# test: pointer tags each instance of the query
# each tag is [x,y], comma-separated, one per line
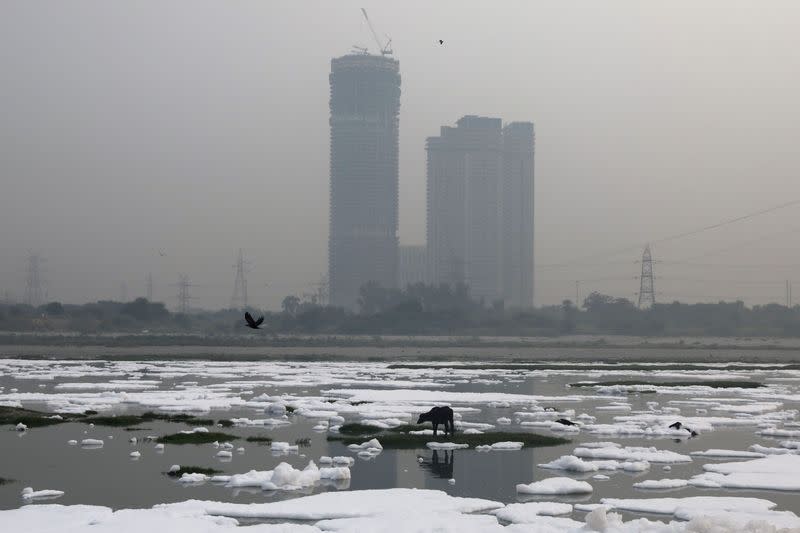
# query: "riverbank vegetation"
[420,310]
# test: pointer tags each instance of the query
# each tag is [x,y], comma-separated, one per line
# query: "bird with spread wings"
[251,322]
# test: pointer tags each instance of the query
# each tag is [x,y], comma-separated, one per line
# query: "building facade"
[517,213]
[480,208]
[413,265]
[364,127]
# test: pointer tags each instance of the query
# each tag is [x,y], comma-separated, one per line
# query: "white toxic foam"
[446,446]
[633,453]
[526,513]
[29,494]
[656,484]
[555,485]
[284,477]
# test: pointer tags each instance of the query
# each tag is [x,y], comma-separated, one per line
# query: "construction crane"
[386,49]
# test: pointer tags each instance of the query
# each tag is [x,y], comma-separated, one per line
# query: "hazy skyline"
[200,127]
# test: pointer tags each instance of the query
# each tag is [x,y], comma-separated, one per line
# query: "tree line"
[419,309]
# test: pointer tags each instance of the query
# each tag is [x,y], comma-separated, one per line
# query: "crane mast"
[385,49]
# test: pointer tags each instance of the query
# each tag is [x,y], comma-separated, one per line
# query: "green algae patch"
[31,418]
[259,439]
[149,416]
[197,437]
[193,470]
[715,384]
[358,429]
[393,440]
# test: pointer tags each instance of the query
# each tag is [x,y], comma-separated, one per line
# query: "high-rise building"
[363,241]
[517,214]
[480,208]
[413,265]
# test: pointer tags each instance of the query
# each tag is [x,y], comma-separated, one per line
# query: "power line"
[586,280]
[740,244]
[677,236]
[731,265]
[729,221]
[765,283]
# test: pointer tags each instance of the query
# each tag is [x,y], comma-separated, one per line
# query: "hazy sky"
[200,127]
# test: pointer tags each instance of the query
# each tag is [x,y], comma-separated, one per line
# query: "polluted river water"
[744,418]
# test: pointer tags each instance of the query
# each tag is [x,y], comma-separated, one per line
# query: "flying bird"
[253,324]
[161,253]
[441,41]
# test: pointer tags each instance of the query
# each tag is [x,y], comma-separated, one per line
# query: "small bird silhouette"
[161,253]
[441,41]
[253,324]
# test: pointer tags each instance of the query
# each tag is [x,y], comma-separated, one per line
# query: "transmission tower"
[322,290]
[149,286]
[647,294]
[239,298]
[33,283]
[183,293]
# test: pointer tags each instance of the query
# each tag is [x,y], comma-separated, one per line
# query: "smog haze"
[163,137]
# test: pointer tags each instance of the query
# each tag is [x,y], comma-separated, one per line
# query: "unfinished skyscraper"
[480,208]
[364,103]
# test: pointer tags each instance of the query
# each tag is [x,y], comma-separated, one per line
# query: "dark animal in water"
[566,422]
[678,425]
[436,416]
[251,323]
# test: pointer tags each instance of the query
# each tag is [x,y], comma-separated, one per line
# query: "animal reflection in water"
[441,467]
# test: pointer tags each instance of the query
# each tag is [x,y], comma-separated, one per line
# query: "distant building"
[413,265]
[517,213]
[364,122]
[480,208]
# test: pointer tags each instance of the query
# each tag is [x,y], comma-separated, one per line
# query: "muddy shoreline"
[695,354]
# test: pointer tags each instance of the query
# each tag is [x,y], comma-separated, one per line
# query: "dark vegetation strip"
[364,429]
[358,429]
[716,384]
[149,416]
[32,419]
[595,366]
[406,441]
[466,340]
[193,470]
[198,437]
[259,439]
